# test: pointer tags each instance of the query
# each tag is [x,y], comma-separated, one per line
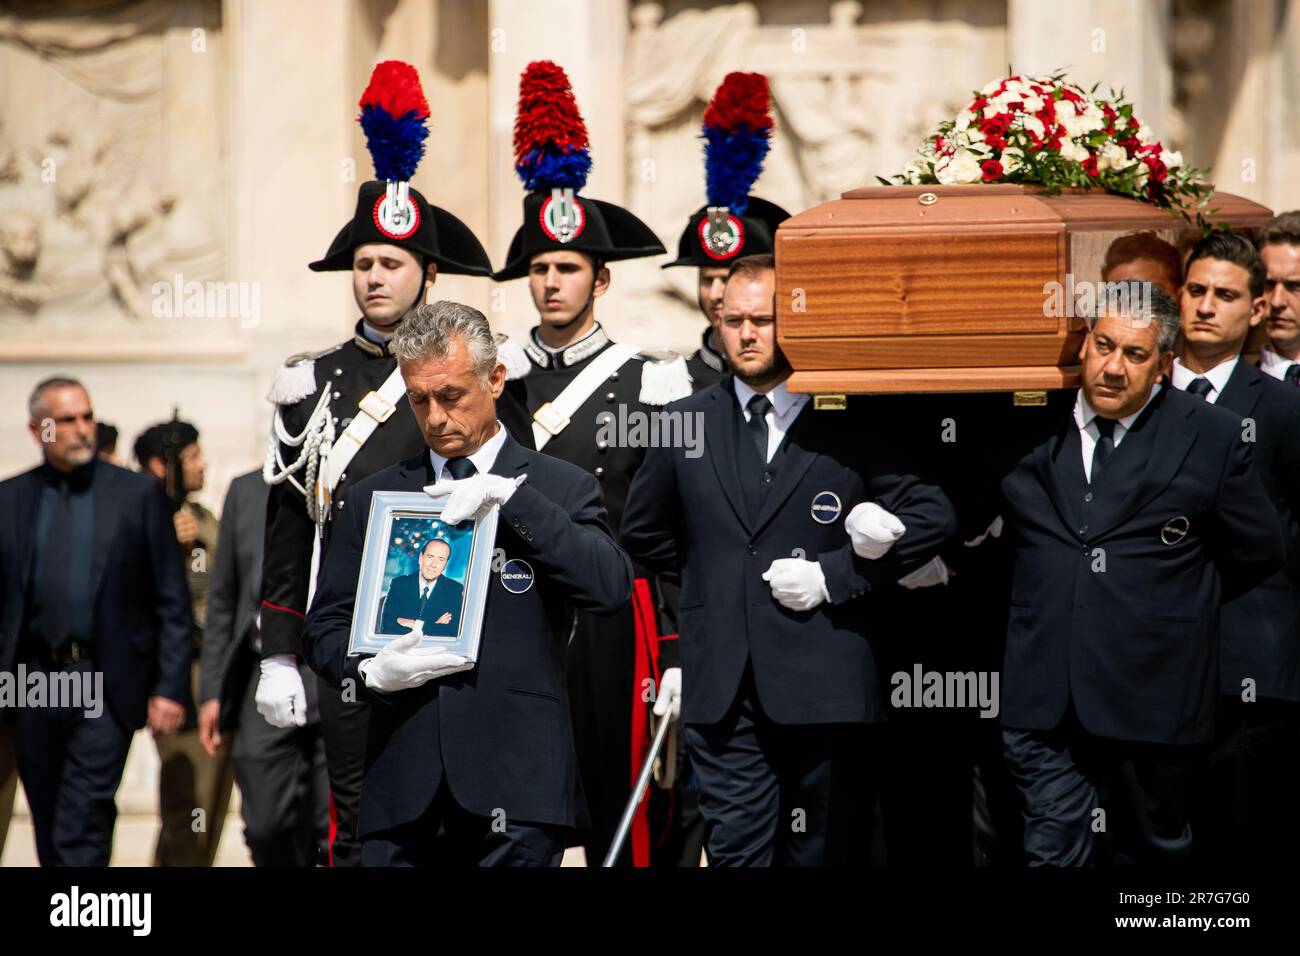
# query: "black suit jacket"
[499,734]
[809,667]
[1104,613]
[229,642]
[403,600]
[143,623]
[1261,629]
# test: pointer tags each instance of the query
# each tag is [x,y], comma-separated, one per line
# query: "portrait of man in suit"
[427,595]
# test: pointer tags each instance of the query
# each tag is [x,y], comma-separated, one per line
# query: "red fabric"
[646,667]
[276,607]
[334,831]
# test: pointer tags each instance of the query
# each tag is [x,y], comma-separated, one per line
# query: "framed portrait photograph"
[418,570]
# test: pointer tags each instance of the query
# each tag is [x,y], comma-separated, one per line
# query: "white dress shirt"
[1088,433]
[785,409]
[483,459]
[1217,377]
[1270,363]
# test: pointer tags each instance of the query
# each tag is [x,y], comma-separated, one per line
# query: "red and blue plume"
[393,115]
[551,146]
[737,135]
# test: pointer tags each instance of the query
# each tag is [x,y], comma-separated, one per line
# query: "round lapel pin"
[516,576]
[1175,530]
[826,507]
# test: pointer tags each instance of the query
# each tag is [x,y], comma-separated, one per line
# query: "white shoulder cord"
[316,438]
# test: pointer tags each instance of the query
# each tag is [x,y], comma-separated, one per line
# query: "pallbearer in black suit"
[339,413]
[1247,800]
[1128,527]
[483,751]
[737,132]
[583,392]
[93,607]
[427,596]
[779,677]
[1279,248]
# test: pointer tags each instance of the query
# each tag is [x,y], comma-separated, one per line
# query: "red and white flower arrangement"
[1047,132]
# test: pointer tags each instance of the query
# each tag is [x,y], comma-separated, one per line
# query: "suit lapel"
[1064,450]
[106,518]
[1243,389]
[721,435]
[1172,440]
[795,460]
[29,501]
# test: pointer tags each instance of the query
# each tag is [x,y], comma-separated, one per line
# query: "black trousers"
[343,726]
[449,836]
[70,765]
[1247,807]
[1090,800]
[283,787]
[782,795]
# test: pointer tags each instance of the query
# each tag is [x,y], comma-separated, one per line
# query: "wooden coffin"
[945,288]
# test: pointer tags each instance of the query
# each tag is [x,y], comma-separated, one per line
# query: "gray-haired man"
[1128,526]
[483,751]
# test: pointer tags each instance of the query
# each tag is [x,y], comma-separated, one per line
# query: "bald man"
[427,595]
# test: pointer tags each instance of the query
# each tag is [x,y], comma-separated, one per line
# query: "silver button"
[602,444]
[609,396]
[337,394]
[600,472]
[613,376]
[340,505]
[338,372]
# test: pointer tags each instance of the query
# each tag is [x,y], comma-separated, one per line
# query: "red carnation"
[992,169]
[1090,166]
[938,142]
[996,125]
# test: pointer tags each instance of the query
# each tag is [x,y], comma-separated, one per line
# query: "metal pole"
[625,824]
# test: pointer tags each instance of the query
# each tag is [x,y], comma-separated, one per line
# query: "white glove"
[935,571]
[994,531]
[873,530]
[473,497]
[670,694]
[796,583]
[281,697]
[401,665]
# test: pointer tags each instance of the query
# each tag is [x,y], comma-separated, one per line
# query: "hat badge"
[721,233]
[562,216]
[395,215]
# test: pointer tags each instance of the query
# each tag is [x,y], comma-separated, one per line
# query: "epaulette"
[512,355]
[664,378]
[297,379]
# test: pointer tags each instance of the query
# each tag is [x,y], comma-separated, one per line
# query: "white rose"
[1111,157]
[964,119]
[1034,125]
[1073,151]
[1145,136]
[961,167]
[1033,103]
[1171,159]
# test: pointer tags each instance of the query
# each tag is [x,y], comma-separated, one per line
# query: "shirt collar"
[709,355]
[483,459]
[1270,361]
[76,479]
[1217,376]
[546,357]
[370,341]
[1084,413]
[782,399]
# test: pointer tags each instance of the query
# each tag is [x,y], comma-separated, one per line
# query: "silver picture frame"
[399,531]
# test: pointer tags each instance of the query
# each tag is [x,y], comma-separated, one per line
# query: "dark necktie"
[461,468]
[1200,386]
[56,559]
[758,407]
[1105,446]
[1292,376]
